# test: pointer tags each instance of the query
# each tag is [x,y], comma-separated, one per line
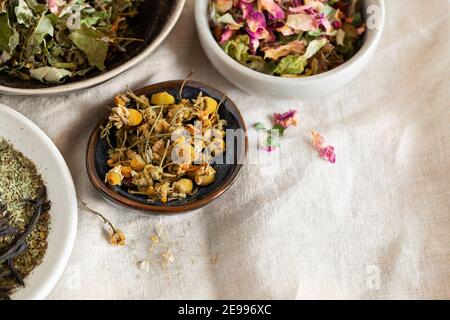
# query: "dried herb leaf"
[23,13]
[50,74]
[93,43]
[9,38]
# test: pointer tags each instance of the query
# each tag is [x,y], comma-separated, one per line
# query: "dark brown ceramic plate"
[226,173]
[154,22]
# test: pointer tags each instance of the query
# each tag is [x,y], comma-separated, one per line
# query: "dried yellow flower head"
[117,238]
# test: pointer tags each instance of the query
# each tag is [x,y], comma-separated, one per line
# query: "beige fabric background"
[374,225]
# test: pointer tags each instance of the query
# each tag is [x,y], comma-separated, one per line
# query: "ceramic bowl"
[226,173]
[27,138]
[296,88]
[153,24]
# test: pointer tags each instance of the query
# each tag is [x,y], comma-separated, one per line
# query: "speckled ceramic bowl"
[226,173]
[154,22]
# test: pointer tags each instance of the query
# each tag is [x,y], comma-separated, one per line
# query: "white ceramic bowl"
[27,138]
[298,88]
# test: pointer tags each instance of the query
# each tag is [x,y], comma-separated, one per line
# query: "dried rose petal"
[325,152]
[317,140]
[227,34]
[223,5]
[274,10]
[285,30]
[286,119]
[302,22]
[254,45]
[269,149]
[53,6]
[294,47]
[247,8]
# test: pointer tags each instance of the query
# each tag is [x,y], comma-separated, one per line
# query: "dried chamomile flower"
[114,176]
[117,238]
[164,146]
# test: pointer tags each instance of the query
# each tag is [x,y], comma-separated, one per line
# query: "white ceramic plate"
[27,138]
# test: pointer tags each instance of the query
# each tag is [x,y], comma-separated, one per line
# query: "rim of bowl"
[69,238]
[103,77]
[110,194]
[202,21]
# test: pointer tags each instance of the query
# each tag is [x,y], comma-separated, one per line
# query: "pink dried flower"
[246,7]
[336,24]
[274,10]
[269,148]
[254,45]
[256,25]
[317,140]
[53,6]
[256,21]
[325,152]
[286,119]
[227,34]
[328,154]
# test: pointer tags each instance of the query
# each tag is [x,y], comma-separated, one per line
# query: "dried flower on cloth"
[286,119]
[116,236]
[270,139]
[325,152]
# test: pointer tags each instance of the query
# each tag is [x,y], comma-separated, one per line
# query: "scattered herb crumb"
[144,265]
[155,240]
[167,257]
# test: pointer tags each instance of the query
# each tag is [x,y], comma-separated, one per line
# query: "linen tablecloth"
[374,225]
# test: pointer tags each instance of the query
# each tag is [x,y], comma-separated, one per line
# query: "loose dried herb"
[271,137]
[55,40]
[164,148]
[24,218]
[288,38]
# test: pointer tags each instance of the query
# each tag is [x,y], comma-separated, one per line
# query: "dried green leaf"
[260,125]
[23,13]
[9,37]
[278,128]
[93,43]
[50,74]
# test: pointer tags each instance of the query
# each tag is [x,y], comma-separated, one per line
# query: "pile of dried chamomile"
[163,148]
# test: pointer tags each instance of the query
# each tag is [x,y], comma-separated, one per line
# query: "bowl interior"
[148,24]
[226,170]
